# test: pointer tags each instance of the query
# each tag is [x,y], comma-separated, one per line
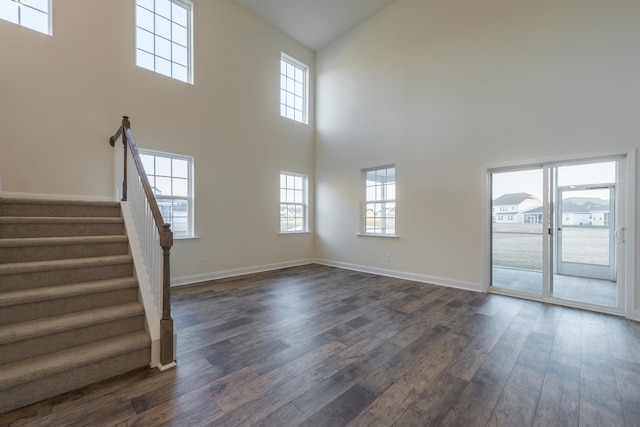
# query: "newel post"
[125,142]
[166,323]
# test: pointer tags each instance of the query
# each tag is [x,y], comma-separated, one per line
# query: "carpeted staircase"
[69,310]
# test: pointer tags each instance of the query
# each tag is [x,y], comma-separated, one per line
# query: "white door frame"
[626,223]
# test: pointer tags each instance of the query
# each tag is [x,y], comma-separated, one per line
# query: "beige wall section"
[441,88]
[62,96]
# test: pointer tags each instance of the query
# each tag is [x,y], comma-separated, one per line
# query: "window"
[293,203]
[380,200]
[163,37]
[171,179]
[33,14]
[293,89]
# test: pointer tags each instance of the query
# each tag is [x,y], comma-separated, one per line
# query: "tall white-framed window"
[171,179]
[164,37]
[32,14]
[294,205]
[379,205]
[294,89]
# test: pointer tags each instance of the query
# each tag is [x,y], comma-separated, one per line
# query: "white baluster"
[147,231]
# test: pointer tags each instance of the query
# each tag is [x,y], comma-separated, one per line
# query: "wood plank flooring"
[320,346]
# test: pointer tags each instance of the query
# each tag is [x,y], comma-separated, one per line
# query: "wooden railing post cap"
[166,237]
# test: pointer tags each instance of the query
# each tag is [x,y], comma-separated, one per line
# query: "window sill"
[186,239]
[384,236]
[294,233]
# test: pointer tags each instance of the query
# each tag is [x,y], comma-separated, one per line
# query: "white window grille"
[171,179]
[32,14]
[164,37]
[293,203]
[379,200]
[294,76]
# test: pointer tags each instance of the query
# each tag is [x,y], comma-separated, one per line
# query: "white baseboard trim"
[49,196]
[440,281]
[635,316]
[166,367]
[214,275]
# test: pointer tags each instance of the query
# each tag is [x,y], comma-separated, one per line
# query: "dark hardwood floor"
[319,346]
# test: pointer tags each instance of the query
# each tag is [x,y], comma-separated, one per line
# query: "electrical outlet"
[387,258]
[203,261]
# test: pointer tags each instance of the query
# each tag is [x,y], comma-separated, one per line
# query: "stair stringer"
[152,315]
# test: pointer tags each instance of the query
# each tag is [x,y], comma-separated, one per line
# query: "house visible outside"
[517,208]
[585,211]
[524,208]
[517,230]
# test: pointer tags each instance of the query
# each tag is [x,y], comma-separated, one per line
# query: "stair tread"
[57,202]
[61,264]
[60,220]
[56,324]
[37,367]
[50,241]
[27,296]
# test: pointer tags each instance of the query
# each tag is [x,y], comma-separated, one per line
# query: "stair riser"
[20,230]
[41,210]
[35,391]
[58,307]
[13,352]
[46,253]
[40,279]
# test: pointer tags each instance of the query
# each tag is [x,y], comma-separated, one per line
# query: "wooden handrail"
[129,142]
[114,138]
[164,232]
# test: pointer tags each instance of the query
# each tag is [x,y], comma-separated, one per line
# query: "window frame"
[384,201]
[20,4]
[188,64]
[304,204]
[285,93]
[190,234]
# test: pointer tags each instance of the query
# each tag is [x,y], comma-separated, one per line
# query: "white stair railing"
[154,239]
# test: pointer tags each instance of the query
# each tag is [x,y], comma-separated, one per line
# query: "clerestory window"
[294,99]
[32,14]
[164,37]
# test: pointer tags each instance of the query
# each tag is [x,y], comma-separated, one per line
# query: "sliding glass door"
[555,234]
[517,230]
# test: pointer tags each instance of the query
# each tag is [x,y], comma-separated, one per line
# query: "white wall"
[441,88]
[437,87]
[61,97]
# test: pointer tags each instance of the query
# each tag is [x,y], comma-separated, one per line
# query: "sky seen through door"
[530,181]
